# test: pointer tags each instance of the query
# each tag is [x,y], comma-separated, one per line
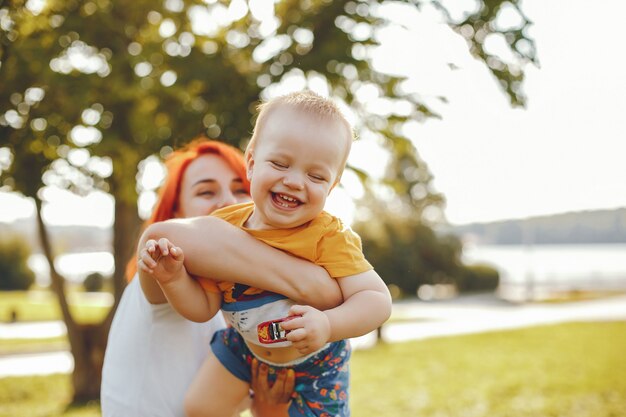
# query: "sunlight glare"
[64,208]
[14,206]
[261,9]
[85,135]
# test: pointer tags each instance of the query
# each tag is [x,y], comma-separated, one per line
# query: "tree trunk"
[125,234]
[379,335]
[87,342]
[88,359]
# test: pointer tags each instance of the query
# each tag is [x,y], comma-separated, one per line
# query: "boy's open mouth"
[285,201]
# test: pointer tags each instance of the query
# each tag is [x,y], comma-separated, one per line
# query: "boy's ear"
[336,183]
[249,164]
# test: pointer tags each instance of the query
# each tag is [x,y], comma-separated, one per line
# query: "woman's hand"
[309,332]
[271,401]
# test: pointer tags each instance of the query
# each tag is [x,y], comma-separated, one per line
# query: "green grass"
[10,346]
[573,370]
[579,295]
[566,370]
[43,305]
[41,396]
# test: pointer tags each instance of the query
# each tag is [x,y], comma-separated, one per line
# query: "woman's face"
[209,183]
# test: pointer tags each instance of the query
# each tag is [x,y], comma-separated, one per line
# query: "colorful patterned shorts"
[322,380]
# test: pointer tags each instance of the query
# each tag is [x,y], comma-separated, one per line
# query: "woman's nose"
[227,199]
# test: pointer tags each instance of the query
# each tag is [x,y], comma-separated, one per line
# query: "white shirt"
[152,355]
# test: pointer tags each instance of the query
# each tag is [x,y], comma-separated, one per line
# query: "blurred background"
[487,183]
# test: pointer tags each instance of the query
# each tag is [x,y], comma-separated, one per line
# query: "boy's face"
[293,167]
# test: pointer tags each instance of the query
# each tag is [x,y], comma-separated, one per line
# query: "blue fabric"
[262,299]
[322,381]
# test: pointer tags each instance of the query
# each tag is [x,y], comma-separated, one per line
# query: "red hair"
[177,164]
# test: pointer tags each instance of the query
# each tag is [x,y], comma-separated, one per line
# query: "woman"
[153,353]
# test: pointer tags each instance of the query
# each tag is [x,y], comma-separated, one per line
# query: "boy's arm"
[162,263]
[214,248]
[189,299]
[366,307]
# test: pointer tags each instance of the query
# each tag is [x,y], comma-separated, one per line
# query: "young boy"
[296,157]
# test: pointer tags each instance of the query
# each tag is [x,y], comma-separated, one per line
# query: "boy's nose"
[294,180]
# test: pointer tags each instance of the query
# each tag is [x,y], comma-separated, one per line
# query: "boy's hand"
[161,260]
[308,333]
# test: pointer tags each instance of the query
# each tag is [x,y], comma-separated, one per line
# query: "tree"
[92,84]
[14,271]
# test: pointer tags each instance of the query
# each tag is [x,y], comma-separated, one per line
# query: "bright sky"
[564,152]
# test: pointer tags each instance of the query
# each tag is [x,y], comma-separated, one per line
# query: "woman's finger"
[284,385]
[290,383]
[278,389]
[255,375]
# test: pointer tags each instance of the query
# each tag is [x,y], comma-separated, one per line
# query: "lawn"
[42,305]
[12,346]
[570,370]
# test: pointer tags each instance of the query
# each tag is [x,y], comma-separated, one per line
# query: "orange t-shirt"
[325,241]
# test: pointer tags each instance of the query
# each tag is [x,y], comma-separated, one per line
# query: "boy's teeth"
[284,197]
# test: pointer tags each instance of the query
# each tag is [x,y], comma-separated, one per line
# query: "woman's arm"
[216,249]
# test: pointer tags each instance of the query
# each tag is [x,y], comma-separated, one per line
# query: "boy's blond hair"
[309,103]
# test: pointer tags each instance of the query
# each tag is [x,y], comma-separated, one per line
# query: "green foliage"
[14,271]
[407,253]
[479,277]
[118,81]
[142,87]
[93,282]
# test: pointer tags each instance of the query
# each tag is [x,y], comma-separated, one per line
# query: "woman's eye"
[206,193]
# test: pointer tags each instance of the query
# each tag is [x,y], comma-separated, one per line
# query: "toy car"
[272,332]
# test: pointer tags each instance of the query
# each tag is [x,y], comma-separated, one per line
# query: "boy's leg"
[322,384]
[214,392]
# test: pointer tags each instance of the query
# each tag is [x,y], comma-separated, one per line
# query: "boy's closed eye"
[279,164]
[318,178]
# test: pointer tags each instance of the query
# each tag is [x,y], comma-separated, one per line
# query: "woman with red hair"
[153,353]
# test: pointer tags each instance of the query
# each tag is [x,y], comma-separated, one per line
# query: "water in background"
[522,267]
[73,266]
[535,270]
